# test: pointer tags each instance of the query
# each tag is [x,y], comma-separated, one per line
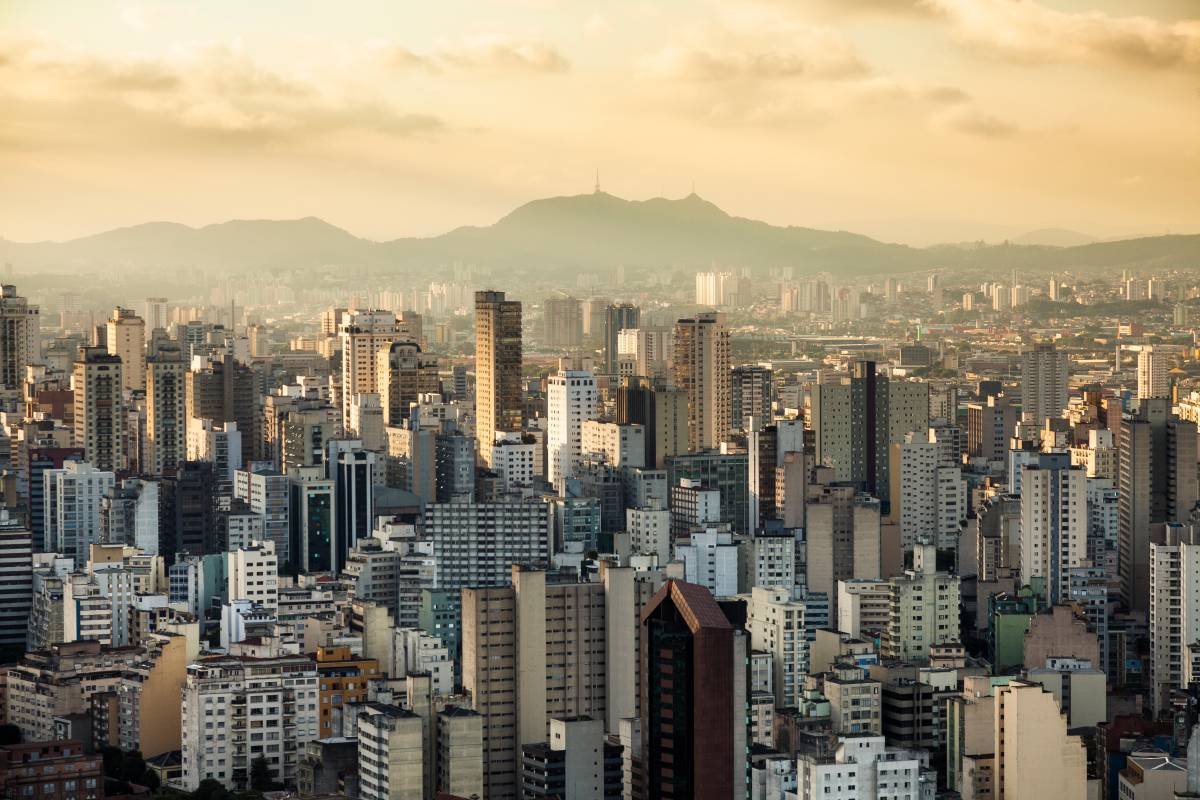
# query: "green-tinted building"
[1008,619]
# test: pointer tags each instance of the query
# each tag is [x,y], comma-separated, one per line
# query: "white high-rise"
[72,508]
[1054,523]
[1174,610]
[571,399]
[1152,380]
[776,625]
[933,497]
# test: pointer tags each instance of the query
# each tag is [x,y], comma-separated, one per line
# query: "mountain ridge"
[584,232]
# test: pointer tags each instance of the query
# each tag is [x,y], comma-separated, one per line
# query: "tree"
[260,775]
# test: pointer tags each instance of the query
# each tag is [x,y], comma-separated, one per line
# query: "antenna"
[597,189]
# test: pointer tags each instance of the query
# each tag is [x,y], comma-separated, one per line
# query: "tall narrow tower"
[497,369]
[702,371]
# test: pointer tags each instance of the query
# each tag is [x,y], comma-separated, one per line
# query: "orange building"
[343,681]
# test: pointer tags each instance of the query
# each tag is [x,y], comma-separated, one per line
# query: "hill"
[581,232]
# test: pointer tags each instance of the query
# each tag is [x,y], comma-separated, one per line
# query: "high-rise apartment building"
[126,339]
[538,650]
[702,370]
[990,424]
[403,373]
[364,334]
[225,390]
[931,498]
[498,358]
[562,319]
[1152,378]
[72,508]
[228,699]
[752,394]
[1044,371]
[923,609]
[99,411]
[1054,523]
[1157,483]
[1174,610]
[391,753]
[571,399]
[166,409]
[19,342]
[775,623]
[16,579]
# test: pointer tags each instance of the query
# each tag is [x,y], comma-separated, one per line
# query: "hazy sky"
[904,118]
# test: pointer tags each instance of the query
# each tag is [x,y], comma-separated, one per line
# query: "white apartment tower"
[238,709]
[1152,380]
[1054,523]
[571,399]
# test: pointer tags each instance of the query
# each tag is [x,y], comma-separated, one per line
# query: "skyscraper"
[99,414]
[752,394]
[571,399]
[18,341]
[1157,482]
[126,338]
[693,696]
[662,410]
[701,368]
[166,408]
[617,317]
[363,334]
[562,319]
[1152,380]
[1044,371]
[402,373]
[498,407]
[224,391]
[1054,523]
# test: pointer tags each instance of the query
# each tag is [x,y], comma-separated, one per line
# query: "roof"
[695,604]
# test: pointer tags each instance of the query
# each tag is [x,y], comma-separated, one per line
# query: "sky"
[911,120]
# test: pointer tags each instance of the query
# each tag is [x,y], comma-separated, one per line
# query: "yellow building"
[343,681]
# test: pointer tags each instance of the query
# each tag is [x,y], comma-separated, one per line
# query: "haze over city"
[548,400]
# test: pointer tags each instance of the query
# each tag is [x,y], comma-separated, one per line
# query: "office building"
[692,669]
[498,358]
[662,411]
[617,317]
[702,370]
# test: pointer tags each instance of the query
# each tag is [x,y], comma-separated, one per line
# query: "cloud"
[722,54]
[970,120]
[211,94]
[1028,31]
[480,54]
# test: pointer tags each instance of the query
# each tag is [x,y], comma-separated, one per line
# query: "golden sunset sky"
[912,120]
